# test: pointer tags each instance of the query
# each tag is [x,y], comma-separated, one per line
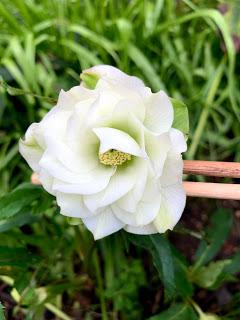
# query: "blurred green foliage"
[54,270]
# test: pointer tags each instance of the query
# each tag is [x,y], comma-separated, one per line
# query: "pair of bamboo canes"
[205,189]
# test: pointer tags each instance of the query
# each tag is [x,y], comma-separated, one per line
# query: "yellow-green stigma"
[114,157]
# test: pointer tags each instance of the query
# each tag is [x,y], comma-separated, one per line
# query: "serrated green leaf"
[181,118]
[176,312]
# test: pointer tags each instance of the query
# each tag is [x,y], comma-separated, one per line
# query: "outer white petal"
[111,138]
[72,205]
[148,229]
[157,148]
[53,124]
[46,181]
[173,203]
[120,183]
[116,76]
[30,149]
[178,141]
[172,170]
[159,113]
[103,224]
[147,208]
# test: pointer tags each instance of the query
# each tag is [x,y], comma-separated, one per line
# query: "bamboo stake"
[212,168]
[205,189]
[212,190]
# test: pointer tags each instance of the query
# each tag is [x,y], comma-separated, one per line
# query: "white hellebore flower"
[110,155]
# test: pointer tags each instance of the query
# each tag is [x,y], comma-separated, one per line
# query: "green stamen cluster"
[114,157]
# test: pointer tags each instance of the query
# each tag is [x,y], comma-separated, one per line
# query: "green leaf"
[183,285]
[206,277]
[181,119]
[161,252]
[234,266]
[2,317]
[162,256]
[145,66]
[16,256]
[176,312]
[21,218]
[217,234]
[19,198]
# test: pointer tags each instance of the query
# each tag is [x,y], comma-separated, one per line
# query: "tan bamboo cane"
[205,189]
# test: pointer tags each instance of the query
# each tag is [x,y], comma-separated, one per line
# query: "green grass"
[184,47]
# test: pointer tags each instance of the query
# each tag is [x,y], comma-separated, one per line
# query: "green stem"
[100,286]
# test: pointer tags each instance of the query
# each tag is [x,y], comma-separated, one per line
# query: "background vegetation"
[52,269]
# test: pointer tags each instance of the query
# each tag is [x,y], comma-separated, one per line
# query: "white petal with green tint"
[120,183]
[111,138]
[173,203]
[103,224]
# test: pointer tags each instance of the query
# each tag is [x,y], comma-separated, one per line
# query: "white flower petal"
[159,113]
[172,170]
[120,183]
[103,224]
[116,77]
[157,148]
[130,201]
[178,141]
[147,208]
[111,138]
[173,203]
[144,230]
[67,181]
[30,149]
[77,160]
[46,181]
[72,205]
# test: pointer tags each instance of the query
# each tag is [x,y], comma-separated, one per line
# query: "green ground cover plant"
[50,266]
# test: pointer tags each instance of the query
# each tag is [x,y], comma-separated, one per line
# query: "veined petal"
[120,183]
[72,205]
[159,113]
[103,224]
[172,206]
[111,138]
[172,170]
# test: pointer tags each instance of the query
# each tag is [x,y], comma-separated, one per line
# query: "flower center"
[114,157]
